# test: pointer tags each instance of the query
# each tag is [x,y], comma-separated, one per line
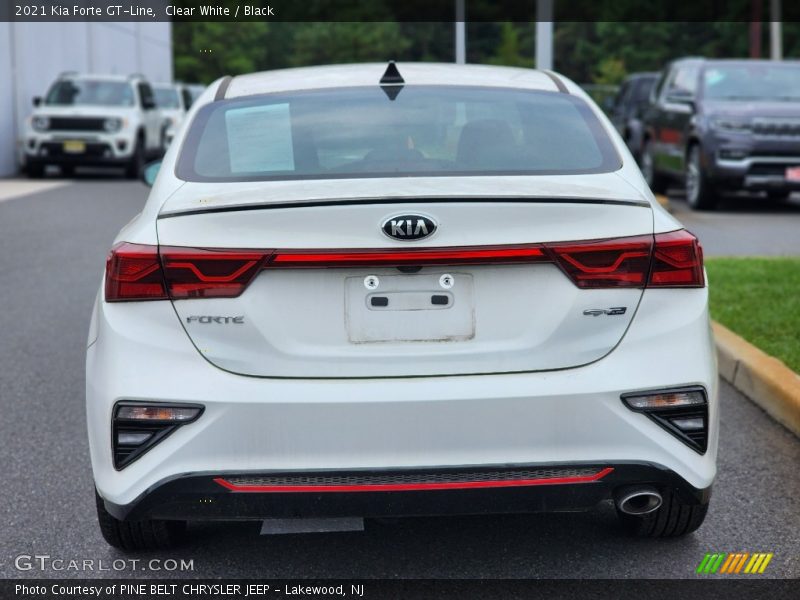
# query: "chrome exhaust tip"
[640,500]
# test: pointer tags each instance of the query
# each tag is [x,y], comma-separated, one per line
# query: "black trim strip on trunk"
[399,200]
[223,88]
[557,80]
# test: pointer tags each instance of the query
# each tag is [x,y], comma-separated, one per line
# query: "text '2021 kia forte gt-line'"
[364,291]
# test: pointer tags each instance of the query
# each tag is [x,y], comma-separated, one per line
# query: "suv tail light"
[138,272]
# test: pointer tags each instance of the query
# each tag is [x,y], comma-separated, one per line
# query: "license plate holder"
[410,308]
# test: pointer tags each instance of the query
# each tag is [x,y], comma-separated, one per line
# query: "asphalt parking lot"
[52,248]
[743,226]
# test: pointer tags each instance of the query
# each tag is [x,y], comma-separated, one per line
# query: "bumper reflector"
[407,482]
[666,400]
[681,412]
[690,424]
[132,438]
[137,426]
[157,413]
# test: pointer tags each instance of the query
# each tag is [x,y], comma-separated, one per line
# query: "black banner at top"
[398,10]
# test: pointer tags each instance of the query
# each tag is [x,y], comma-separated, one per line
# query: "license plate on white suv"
[430,307]
[74,147]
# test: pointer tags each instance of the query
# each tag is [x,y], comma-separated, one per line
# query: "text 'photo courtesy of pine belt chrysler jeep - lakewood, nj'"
[376,290]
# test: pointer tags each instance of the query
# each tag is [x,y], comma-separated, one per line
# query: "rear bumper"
[429,492]
[259,425]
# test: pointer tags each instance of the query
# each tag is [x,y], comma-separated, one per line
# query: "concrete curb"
[664,201]
[762,378]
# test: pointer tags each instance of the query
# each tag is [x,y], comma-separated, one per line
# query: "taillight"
[677,261]
[620,262]
[420,256]
[200,273]
[139,272]
[133,272]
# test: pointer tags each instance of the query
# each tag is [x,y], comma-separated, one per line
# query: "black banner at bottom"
[254,589]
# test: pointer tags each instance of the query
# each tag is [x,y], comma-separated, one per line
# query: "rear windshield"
[90,92]
[423,131]
[752,81]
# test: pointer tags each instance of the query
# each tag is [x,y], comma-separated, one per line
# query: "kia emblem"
[408,228]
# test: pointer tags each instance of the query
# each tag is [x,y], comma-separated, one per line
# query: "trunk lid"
[385,321]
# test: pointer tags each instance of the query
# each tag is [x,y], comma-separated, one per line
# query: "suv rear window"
[425,131]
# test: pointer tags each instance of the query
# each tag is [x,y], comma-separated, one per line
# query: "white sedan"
[417,289]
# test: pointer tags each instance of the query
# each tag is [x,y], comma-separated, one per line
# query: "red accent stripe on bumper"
[410,487]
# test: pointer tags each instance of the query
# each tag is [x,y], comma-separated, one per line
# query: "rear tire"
[778,196]
[134,536]
[657,182]
[700,192]
[34,170]
[672,519]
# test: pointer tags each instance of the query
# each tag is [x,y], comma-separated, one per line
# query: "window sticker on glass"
[260,138]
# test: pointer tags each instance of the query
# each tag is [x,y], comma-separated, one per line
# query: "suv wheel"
[781,196]
[654,180]
[164,144]
[136,164]
[700,194]
[133,536]
[672,519]
[34,169]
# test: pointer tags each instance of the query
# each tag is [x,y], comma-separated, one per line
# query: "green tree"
[331,43]
[610,71]
[205,51]
[510,51]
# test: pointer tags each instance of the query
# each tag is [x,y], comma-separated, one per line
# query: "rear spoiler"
[398,200]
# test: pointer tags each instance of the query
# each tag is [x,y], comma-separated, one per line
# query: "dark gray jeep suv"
[628,108]
[724,125]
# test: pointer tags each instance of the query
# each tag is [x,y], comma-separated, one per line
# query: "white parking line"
[14,188]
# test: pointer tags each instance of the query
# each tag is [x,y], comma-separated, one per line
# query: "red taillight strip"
[143,272]
[140,274]
[411,487]
[450,256]
[605,269]
[202,277]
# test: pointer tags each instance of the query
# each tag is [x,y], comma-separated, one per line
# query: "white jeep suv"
[174,100]
[361,291]
[94,120]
